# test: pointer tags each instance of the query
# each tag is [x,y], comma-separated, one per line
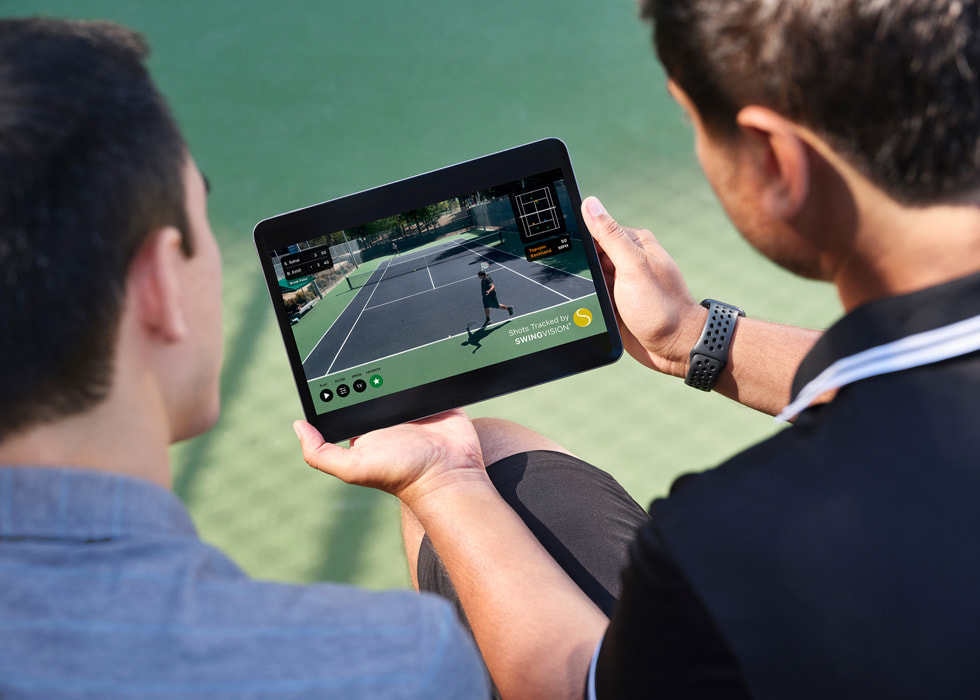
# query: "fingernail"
[296,430]
[594,207]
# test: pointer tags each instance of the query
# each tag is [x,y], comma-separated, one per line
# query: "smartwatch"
[710,354]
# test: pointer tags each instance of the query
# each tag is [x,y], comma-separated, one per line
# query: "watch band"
[710,354]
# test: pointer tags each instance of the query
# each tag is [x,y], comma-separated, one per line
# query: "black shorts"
[581,515]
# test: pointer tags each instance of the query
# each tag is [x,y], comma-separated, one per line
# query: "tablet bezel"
[472,386]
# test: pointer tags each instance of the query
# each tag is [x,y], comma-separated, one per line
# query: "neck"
[107,438]
[897,249]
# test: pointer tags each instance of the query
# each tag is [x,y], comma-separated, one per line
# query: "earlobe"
[782,160]
[154,287]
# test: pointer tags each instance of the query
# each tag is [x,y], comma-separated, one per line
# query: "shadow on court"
[474,337]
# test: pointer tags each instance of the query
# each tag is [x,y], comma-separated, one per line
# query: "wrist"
[676,357]
[439,489]
[709,355]
[450,503]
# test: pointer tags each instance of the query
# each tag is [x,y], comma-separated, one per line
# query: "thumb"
[625,247]
[317,452]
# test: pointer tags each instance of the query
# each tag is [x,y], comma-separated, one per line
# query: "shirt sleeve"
[456,669]
[661,641]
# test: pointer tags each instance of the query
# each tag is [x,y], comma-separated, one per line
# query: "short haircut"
[91,163]
[893,86]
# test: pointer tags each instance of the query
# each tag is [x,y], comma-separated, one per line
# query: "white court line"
[434,342]
[356,320]
[535,281]
[327,332]
[384,272]
[424,291]
[408,261]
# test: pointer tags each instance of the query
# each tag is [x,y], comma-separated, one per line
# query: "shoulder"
[871,497]
[373,644]
[218,628]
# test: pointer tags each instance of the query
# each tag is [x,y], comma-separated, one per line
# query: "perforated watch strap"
[710,354]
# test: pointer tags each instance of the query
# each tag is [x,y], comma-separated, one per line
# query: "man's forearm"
[762,362]
[534,626]
[661,321]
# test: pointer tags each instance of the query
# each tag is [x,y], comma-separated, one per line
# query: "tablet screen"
[458,286]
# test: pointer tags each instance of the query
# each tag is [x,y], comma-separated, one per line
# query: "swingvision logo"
[582,318]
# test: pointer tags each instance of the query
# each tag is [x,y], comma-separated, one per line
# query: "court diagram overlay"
[537,213]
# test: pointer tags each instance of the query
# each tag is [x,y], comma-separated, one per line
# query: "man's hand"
[659,319]
[535,627]
[661,322]
[407,461]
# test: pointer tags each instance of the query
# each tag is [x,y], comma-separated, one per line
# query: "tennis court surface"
[431,294]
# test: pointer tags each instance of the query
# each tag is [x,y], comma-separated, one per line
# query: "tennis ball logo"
[582,318]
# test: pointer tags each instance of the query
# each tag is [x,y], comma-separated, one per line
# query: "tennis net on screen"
[415,261]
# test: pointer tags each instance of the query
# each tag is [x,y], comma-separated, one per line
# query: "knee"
[501,438]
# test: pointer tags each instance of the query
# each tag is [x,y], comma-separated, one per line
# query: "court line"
[415,294]
[534,281]
[334,322]
[436,250]
[353,325]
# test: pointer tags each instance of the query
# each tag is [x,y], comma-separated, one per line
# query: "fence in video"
[415,261]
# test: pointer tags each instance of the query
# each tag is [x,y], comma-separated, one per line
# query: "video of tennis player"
[438,291]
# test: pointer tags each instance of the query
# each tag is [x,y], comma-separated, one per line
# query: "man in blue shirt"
[110,349]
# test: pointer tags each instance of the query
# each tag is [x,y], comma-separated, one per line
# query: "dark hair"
[91,162]
[892,86]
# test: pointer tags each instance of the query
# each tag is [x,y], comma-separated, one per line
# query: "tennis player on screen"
[489,293]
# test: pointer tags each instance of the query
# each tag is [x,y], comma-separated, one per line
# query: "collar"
[81,505]
[889,335]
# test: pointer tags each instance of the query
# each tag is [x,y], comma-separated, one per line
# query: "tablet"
[438,291]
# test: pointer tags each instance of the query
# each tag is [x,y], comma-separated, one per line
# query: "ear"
[154,285]
[780,157]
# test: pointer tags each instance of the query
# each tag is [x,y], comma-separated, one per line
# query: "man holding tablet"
[106,591]
[836,559]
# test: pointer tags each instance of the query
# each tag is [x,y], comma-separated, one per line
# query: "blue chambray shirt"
[106,591]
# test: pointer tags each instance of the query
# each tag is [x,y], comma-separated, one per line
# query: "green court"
[292,103]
